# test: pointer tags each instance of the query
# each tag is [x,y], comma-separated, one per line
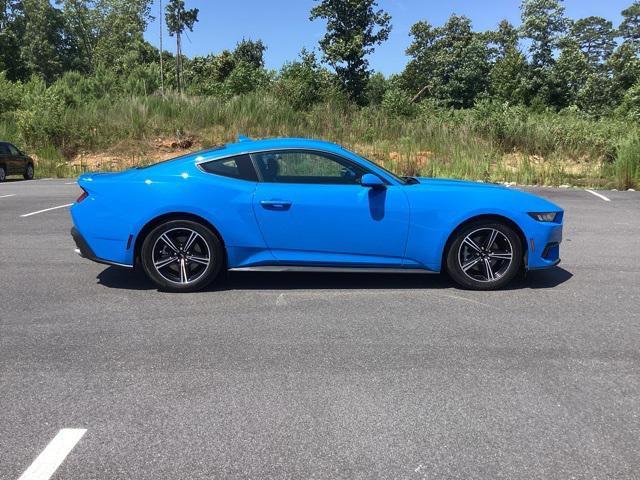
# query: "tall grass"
[627,165]
[490,143]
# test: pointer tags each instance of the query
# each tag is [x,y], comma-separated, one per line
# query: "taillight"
[82,196]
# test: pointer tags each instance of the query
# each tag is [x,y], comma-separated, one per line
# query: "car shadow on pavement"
[113,277]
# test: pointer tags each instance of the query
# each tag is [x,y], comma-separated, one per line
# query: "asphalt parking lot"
[320,375]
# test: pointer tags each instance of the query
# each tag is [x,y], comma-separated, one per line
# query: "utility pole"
[161,62]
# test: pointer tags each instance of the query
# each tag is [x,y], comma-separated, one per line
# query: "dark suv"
[14,162]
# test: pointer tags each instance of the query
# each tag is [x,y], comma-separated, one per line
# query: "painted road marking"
[598,195]
[46,210]
[53,455]
[7,196]
[71,183]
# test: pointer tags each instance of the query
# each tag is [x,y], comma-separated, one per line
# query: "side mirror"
[372,181]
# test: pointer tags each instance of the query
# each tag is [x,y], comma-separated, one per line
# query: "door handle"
[276,204]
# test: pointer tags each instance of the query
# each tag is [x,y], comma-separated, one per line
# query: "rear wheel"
[3,173]
[182,256]
[485,255]
[29,172]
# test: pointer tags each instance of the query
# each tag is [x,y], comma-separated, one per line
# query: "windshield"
[402,180]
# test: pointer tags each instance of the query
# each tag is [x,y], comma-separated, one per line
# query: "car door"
[5,157]
[16,161]
[312,210]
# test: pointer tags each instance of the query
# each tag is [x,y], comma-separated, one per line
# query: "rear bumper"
[84,250]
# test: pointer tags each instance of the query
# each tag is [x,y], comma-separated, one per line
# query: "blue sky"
[284,26]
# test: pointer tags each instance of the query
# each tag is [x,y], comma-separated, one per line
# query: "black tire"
[474,266]
[29,172]
[3,173]
[170,240]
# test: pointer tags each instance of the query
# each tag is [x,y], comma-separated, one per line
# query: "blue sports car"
[297,204]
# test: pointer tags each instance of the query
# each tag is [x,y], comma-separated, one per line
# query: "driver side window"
[300,166]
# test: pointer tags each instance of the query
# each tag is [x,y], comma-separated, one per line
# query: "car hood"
[448,182]
[479,193]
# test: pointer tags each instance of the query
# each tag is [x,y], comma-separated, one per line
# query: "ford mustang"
[298,204]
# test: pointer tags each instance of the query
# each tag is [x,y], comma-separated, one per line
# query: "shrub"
[630,106]
[376,88]
[10,94]
[206,75]
[40,113]
[397,103]
[245,78]
[302,83]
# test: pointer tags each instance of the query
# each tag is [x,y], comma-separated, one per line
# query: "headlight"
[544,217]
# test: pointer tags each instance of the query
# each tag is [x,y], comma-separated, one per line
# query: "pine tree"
[178,20]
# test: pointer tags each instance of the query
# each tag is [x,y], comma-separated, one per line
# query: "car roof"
[249,145]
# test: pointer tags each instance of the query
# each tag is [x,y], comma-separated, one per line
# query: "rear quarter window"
[240,167]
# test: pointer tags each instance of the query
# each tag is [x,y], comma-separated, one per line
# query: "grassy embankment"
[490,142]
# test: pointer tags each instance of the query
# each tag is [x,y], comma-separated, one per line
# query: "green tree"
[107,33]
[595,96]
[206,75]
[42,43]
[449,63]
[376,88]
[624,66]
[10,94]
[245,78]
[544,23]
[250,52]
[630,105]
[505,39]
[595,37]
[12,23]
[630,26]
[354,28]
[568,76]
[178,20]
[83,26]
[303,82]
[509,78]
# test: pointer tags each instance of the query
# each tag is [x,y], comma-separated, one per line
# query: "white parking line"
[7,196]
[46,210]
[71,183]
[598,195]
[53,455]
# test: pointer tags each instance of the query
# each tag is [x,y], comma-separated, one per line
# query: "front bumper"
[544,246]
[84,250]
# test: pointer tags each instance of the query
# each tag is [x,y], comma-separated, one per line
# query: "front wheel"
[485,255]
[29,172]
[182,256]
[3,174]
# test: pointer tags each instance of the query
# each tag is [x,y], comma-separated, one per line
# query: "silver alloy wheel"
[181,255]
[485,255]
[30,171]
[3,175]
